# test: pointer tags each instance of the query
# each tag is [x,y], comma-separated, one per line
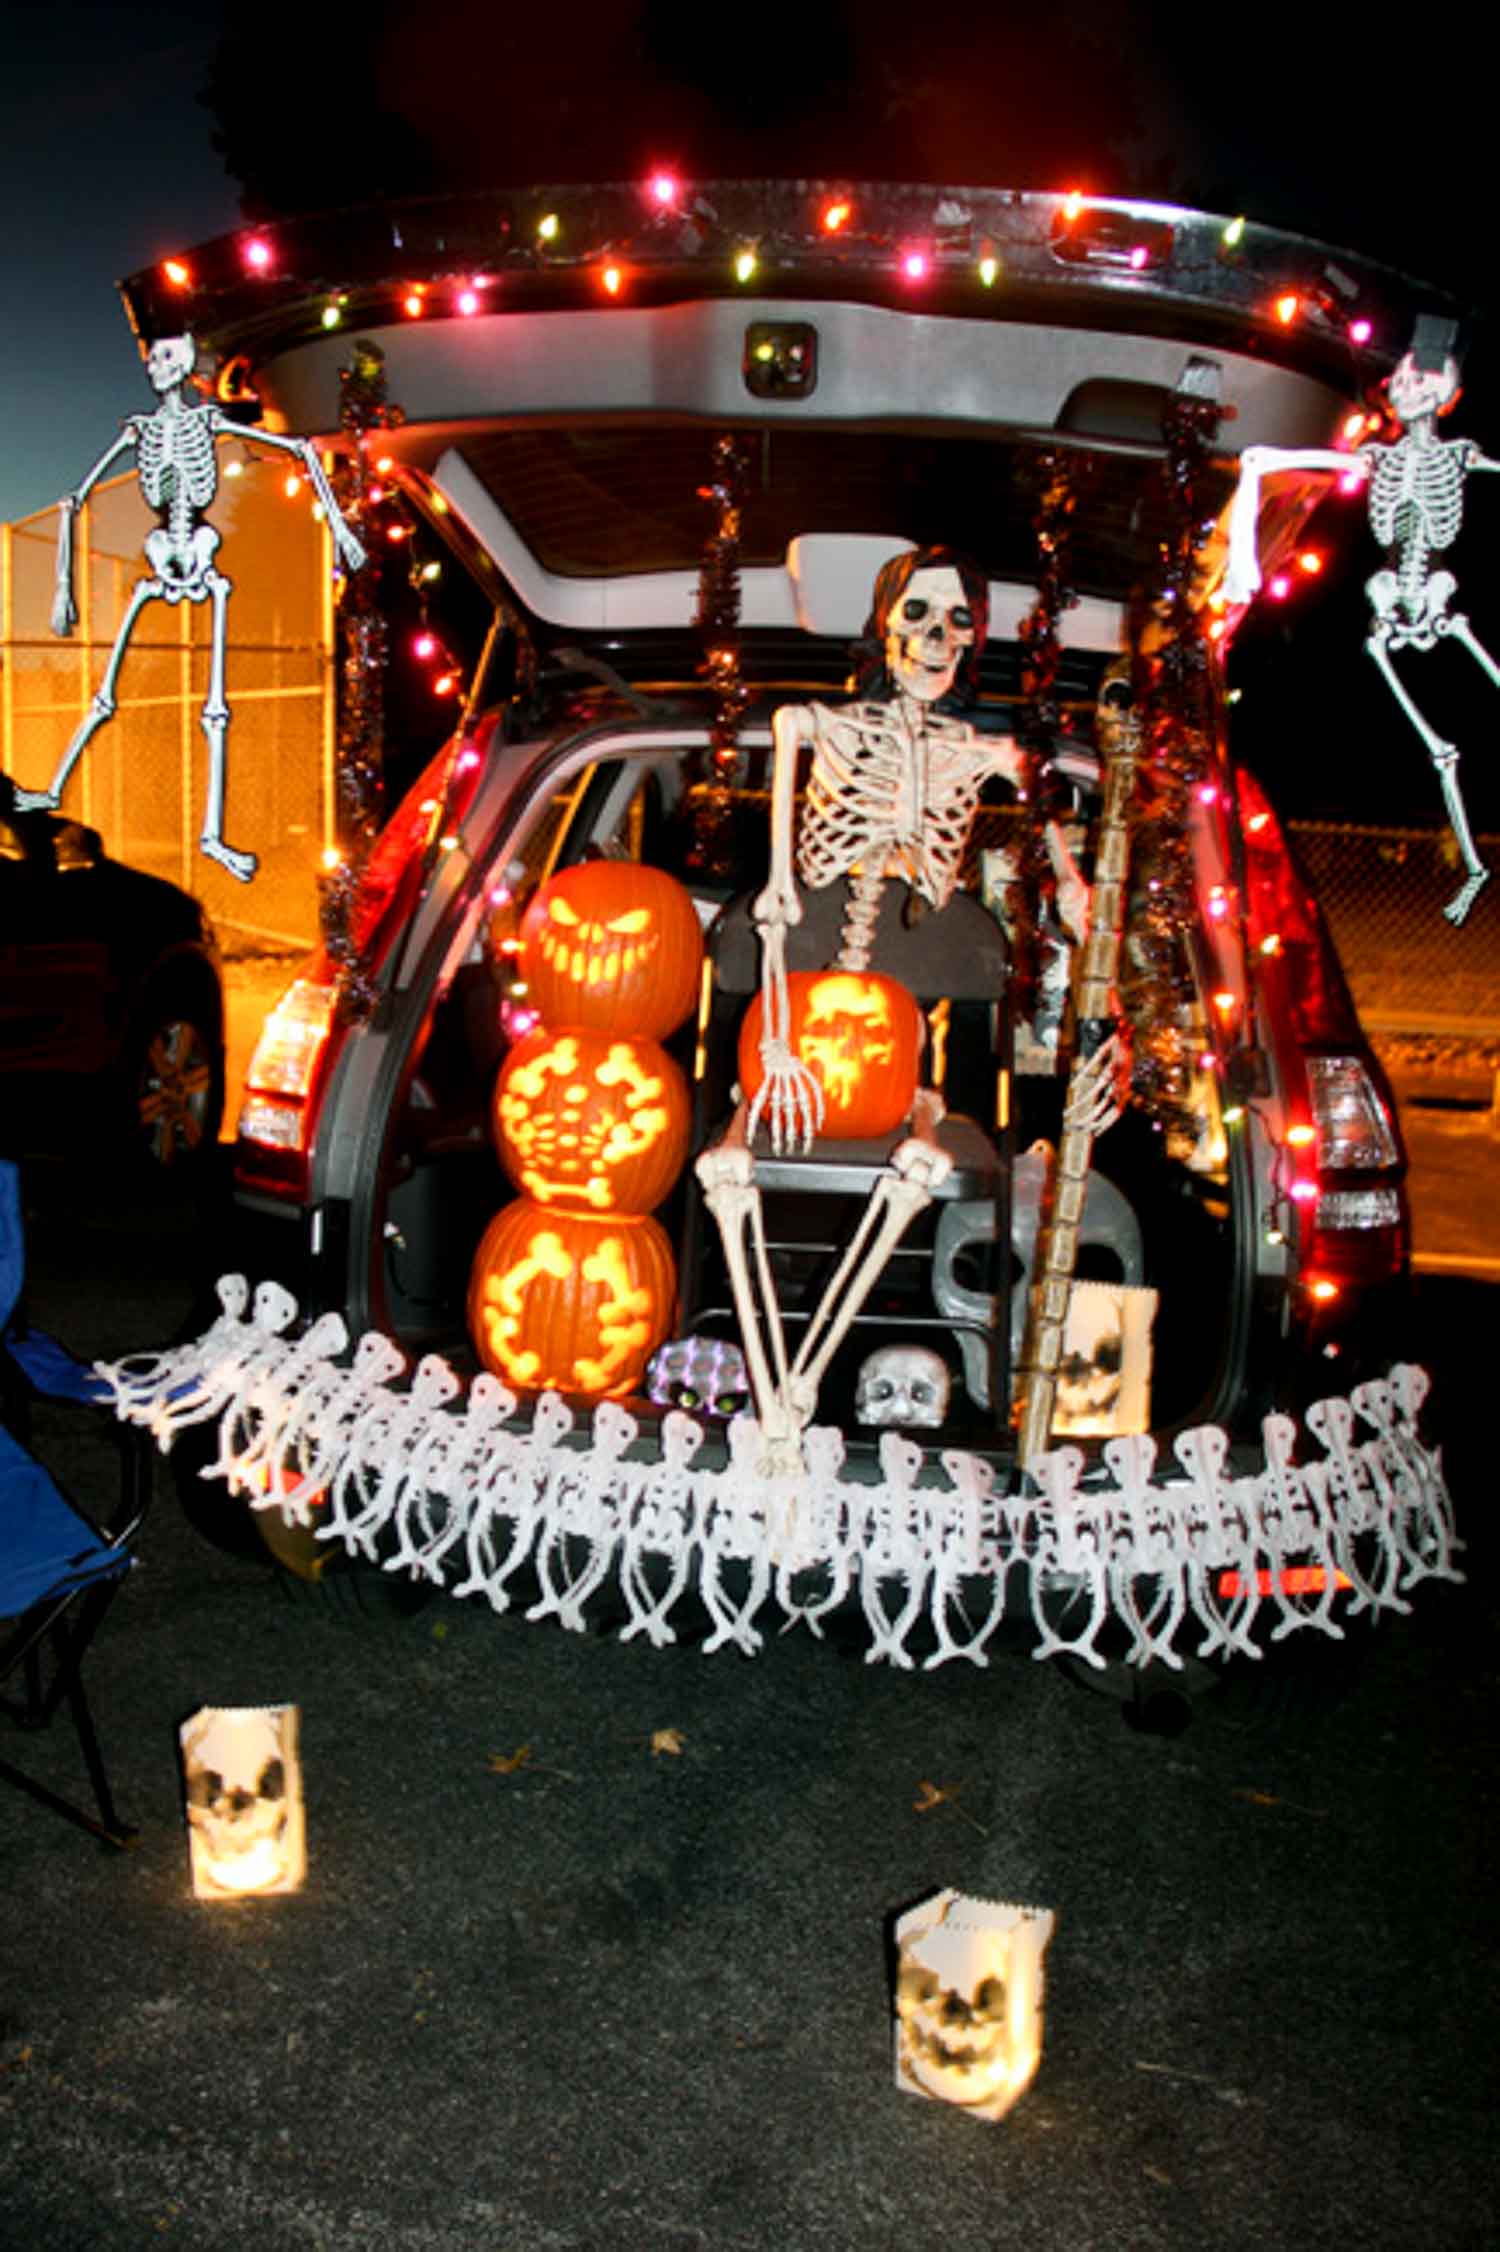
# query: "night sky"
[108,162]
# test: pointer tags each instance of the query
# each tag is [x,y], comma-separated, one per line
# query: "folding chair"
[59,1573]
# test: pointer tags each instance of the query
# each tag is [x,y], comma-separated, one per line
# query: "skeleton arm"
[351,553]
[64,607]
[1242,571]
[789,1096]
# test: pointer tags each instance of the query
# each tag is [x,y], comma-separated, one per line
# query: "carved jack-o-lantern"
[591,1121]
[615,946]
[562,1302]
[860,1035]
[969,2000]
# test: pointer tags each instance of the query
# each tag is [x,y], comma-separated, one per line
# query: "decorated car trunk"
[832,1075]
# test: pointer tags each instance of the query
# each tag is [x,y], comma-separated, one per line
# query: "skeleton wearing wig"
[894,783]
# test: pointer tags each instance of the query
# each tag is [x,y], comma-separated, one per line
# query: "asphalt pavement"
[594,1947]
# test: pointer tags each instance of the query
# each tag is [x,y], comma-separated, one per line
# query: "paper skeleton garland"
[1415,499]
[1189,1554]
[892,793]
[178,468]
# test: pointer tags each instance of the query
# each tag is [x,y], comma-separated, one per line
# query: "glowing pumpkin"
[562,1302]
[614,946]
[860,1035]
[591,1121]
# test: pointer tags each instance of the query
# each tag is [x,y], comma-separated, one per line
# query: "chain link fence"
[143,777]
[1383,892]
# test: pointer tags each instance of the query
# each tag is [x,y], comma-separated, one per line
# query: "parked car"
[111,1004]
[561,449]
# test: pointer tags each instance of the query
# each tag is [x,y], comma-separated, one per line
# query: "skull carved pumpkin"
[560,1301]
[591,1121]
[860,1035]
[615,946]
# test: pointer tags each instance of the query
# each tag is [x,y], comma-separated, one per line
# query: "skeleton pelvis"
[860,1035]
[182,565]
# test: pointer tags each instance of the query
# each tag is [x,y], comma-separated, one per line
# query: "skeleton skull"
[930,627]
[170,361]
[905,1385]
[244,1802]
[968,2000]
[1414,390]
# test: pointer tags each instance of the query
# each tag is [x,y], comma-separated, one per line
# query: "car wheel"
[172,1088]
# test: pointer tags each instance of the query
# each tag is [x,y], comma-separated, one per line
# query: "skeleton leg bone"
[727,1175]
[101,709]
[918,1167]
[1444,757]
[214,720]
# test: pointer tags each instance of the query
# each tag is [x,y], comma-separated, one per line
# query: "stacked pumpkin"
[574,1284]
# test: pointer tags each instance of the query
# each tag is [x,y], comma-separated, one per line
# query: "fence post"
[7,646]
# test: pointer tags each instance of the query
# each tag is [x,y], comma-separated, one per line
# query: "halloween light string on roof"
[467,256]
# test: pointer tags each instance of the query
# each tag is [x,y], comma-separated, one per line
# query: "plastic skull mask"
[904,1385]
[930,628]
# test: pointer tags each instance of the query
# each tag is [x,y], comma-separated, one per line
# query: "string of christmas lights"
[460,257]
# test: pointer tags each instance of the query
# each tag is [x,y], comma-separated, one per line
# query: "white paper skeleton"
[892,793]
[1415,499]
[177,465]
[1192,1548]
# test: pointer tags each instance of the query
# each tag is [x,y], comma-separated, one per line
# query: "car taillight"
[276,1117]
[1354,1131]
[1359,1228]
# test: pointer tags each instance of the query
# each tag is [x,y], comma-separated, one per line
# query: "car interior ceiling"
[445,1182]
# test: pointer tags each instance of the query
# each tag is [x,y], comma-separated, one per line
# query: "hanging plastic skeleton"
[1415,499]
[177,464]
[893,787]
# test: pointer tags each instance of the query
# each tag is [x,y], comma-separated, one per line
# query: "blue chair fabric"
[59,1572]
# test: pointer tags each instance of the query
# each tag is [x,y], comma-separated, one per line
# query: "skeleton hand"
[789,1098]
[351,553]
[1100,1086]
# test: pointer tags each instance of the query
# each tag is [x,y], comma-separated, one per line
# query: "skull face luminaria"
[968,2000]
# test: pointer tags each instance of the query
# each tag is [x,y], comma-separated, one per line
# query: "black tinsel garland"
[1041,718]
[1157,986]
[362,642]
[718,622]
